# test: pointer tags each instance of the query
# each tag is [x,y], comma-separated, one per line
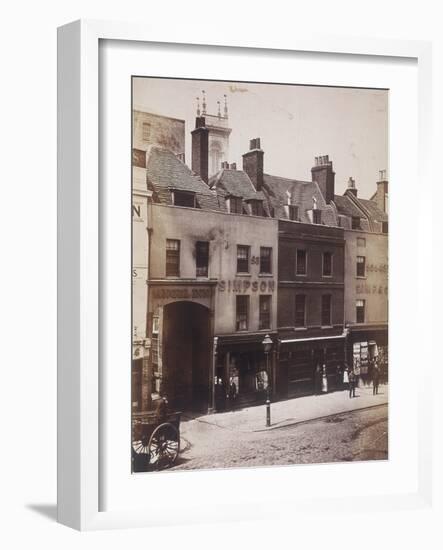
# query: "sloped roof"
[375,213]
[235,183]
[301,194]
[165,170]
[346,207]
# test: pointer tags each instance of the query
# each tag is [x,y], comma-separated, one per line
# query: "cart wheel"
[140,454]
[164,446]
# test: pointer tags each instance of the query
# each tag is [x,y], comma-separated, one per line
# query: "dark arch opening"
[186,355]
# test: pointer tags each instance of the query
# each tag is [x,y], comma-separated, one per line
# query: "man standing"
[375,379]
[351,377]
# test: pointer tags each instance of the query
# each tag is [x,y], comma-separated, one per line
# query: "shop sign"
[371,289]
[242,286]
[181,293]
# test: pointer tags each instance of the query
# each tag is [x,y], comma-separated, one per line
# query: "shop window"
[301,260]
[300,310]
[242,259]
[242,312]
[172,258]
[360,311]
[316,216]
[235,205]
[326,310]
[361,266]
[356,222]
[265,259]
[265,312]
[327,264]
[202,258]
[183,198]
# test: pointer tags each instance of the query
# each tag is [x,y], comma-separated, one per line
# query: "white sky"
[295,124]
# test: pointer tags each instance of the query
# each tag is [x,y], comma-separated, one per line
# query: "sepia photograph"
[259,274]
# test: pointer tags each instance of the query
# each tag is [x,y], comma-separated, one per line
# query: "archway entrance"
[186,355]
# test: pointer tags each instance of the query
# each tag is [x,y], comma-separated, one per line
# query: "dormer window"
[292,212]
[256,207]
[183,198]
[235,205]
[316,216]
[356,222]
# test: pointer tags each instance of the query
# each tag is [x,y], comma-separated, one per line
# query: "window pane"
[360,311]
[361,266]
[327,264]
[301,262]
[265,312]
[202,258]
[316,216]
[265,259]
[293,212]
[242,259]
[300,305]
[326,310]
[172,258]
[242,308]
[184,199]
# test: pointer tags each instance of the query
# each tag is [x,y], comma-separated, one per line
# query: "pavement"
[293,411]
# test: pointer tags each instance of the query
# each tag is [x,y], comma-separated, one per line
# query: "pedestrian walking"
[351,384]
[375,379]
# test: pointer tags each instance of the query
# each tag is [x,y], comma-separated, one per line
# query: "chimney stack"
[200,148]
[253,163]
[382,192]
[324,175]
[351,187]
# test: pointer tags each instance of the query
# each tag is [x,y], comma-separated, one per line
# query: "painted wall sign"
[181,293]
[244,285]
[371,289]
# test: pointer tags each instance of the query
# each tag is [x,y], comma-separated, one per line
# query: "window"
[182,198]
[360,311]
[327,264]
[384,227]
[172,258]
[265,312]
[361,266]
[265,259]
[300,264]
[256,208]
[146,131]
[242,259]
[326,310]
[235,205]
[355,222]
[242,311]
[293,212]
[316,216]
[300,310]
[361,242]
[202,258]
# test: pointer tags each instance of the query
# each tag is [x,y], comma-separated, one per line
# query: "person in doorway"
[220,395]
[375,378]
[318,375]
[339,377]
[161,408]
[351,384]
[324,380]
[232,393]
[346,377]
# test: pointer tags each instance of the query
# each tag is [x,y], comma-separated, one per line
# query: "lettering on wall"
[244,285]
[181,293]
[371,289]
[380,268]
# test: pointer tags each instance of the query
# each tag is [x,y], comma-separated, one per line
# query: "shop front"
[367,345]
[244,372]
[300,366]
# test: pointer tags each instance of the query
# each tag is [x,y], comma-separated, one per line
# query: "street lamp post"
[267,345]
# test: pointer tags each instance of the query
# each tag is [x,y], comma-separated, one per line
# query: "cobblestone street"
[348,436]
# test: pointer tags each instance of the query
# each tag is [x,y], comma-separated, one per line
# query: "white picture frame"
[80,413]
